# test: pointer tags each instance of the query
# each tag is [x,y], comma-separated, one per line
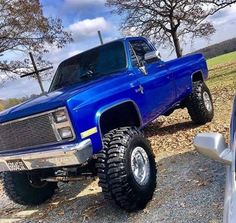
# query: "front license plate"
[16,165]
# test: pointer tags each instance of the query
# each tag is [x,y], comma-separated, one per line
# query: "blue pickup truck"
[90,122]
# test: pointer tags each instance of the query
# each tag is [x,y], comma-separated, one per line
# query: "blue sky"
[84,17]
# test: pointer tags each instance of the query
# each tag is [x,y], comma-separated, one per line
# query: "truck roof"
[123,39]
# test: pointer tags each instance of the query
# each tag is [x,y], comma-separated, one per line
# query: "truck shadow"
[189,187]
[156,128]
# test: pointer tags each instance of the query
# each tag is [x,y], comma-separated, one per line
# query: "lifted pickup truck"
[90,121]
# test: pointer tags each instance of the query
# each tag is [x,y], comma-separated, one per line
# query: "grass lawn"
[226,58]
[222,71]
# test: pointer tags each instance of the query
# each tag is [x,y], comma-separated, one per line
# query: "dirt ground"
[190,187]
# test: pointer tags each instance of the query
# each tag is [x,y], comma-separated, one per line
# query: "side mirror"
[152,56]
[213,145]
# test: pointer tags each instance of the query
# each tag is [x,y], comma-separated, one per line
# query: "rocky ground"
[190,187]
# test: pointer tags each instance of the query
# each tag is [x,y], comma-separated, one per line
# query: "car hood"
[54,99]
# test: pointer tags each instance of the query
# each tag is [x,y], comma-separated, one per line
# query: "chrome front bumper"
[60,156]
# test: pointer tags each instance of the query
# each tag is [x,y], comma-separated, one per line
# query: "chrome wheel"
[140,165]
[207,101]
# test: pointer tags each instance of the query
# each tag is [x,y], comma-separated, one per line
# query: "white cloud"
[84,3]
[224,22]
[88,28]
[224,15]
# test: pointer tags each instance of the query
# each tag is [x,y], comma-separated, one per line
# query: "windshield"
[89,65]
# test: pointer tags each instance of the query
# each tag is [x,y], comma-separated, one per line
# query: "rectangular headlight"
[60,116]
[65,133]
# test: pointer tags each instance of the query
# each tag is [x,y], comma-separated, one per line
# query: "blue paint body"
[165,85]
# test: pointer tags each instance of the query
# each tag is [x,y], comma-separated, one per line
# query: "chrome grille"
[33,131]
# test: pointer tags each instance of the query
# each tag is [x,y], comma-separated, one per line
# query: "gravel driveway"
[190,187]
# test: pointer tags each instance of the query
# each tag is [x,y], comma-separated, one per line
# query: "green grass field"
[222,71]
[226,58]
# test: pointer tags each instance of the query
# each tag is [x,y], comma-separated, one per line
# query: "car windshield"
[102,60]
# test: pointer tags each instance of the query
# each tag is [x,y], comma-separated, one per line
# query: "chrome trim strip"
[68,155]
[51,119]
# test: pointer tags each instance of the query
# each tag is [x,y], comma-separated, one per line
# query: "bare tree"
[23,27]
[168,22]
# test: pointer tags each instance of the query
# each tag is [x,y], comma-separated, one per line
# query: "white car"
[214,146]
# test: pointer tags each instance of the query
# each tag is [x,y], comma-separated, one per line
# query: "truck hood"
[54,99]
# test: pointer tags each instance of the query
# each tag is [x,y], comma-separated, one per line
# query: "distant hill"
[218,48]
[2,104]
[10,102]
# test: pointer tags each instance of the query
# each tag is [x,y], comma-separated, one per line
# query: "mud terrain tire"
[127,169]
[20,188]
[199,104]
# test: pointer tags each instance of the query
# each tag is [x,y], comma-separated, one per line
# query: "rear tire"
[26,189]
[126,168]
[199,104]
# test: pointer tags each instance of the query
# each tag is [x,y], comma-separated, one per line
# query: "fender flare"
[197,72]
[105,108]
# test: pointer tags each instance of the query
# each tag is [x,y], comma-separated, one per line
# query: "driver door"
[155,90]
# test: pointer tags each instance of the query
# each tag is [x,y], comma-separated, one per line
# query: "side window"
[140,48]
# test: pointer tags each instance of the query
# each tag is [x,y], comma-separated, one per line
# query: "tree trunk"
[178,49]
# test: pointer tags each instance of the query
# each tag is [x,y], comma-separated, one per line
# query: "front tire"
[199,104]
[26,189]
[126,168]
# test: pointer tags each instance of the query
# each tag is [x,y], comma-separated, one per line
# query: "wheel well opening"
[121,115]
[197,76]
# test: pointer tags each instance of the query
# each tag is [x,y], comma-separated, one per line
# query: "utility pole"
[36,71]
[100,37]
